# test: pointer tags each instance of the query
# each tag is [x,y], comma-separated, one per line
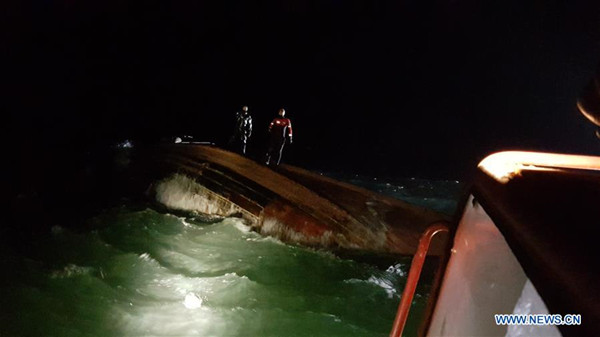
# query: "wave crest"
[180,192]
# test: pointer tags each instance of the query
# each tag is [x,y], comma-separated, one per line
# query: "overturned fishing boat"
[290,203]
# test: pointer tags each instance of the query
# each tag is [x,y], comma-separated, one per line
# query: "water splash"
[145,273]
[180,192]
[192,301]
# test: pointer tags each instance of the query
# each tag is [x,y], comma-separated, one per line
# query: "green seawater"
[146,273]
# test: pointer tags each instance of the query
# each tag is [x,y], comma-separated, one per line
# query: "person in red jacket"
[279,130]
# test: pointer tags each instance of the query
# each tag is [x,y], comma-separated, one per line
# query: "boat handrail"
[413,276]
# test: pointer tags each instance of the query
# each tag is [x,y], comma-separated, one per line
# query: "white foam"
[274,227]
[238,224]
[71,270]
[385,284]
[181,192]
[397,269]
[192,301]
[146,257]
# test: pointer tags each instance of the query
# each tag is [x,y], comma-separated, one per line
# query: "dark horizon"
[405,88]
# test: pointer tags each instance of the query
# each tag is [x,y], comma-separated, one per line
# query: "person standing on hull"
[243,130]
[279,129]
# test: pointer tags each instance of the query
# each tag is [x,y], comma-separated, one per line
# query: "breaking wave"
[180,192]
[390,281]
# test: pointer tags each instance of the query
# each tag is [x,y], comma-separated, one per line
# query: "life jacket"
[280,127]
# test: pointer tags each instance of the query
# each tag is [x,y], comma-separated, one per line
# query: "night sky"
[397,88]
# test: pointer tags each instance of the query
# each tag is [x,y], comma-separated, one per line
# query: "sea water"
[142,272]
[438,195]
[145,270]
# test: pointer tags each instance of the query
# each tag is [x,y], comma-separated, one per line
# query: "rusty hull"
[299,206]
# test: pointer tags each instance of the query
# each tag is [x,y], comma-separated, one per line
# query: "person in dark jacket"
[243,130]
[280,129]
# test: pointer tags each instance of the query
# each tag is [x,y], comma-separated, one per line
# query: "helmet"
[245,108]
